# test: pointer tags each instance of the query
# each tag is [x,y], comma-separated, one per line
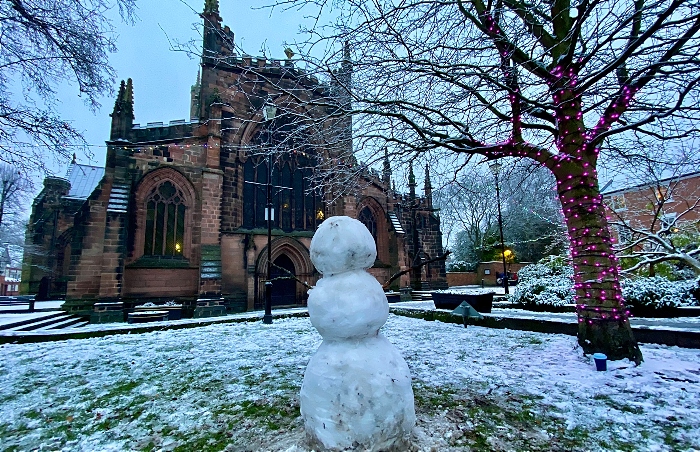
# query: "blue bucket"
[601,361]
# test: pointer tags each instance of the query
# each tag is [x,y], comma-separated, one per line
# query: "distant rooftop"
[83,179]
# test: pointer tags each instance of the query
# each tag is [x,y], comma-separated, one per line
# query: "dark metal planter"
[481,302]
[393,297]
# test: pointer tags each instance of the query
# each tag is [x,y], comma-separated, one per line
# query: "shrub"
[546,283]
[658,292]
[550,283]
[461,266]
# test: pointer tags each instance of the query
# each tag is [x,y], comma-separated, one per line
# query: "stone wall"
[462,279]
[161,282]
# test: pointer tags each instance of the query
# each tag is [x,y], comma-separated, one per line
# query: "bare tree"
[45,43]
[14,189]
[554,81]
[532,221]
[658,222]
[467,212]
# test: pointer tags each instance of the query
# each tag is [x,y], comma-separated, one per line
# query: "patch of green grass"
[672,432]
[432,399]
[282,407]
[516,421]
[630,409]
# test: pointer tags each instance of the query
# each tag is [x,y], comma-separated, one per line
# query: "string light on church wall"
[160,147]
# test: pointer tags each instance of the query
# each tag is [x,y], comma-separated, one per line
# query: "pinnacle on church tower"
[386,171]
[120,97]
[347,62]
[428,187]
[411,182]
[212,36]
[123,113]
[211,7]
[129,96]
[194,97]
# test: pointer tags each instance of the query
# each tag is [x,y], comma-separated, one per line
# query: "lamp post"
[495,168]
[269,111]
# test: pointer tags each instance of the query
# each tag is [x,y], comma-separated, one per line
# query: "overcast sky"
[162,77]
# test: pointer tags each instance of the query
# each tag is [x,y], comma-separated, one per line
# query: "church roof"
[83,179]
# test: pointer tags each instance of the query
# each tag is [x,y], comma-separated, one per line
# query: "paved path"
[682,325]
[674,324]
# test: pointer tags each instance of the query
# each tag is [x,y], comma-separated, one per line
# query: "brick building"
[9,275]
[178,211]
[673,200]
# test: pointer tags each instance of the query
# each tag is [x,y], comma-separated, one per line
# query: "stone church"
[179,210]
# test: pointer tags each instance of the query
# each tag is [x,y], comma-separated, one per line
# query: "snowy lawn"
[235,387]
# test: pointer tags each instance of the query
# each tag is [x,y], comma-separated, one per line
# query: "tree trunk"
[603,318]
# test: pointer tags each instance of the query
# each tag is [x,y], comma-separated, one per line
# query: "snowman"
[356,393]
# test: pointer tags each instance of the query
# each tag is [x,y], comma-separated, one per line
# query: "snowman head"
[342,244]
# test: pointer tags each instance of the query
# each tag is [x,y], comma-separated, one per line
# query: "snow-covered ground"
[235,387]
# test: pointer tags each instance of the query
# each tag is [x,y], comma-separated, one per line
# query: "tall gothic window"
[298,206]
[165,221]
[286,201]
[368,220]
[249,194]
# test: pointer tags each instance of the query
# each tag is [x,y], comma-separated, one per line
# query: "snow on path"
[235,387]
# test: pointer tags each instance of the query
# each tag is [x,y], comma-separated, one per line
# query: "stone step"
[62,320]
[72,322]
[19,324]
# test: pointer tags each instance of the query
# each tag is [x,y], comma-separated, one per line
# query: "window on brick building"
[624,234]
[165,221]
[617,203]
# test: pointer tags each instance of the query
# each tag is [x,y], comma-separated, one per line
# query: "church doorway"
[284,289]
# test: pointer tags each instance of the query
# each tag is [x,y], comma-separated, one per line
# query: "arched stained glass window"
[261,196]
[286,201]
[368,220]
[165,221]
[297,202]
[249,194]
[298,184]
[309,207]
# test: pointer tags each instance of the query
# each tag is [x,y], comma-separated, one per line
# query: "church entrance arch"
[288,255]
[284,290]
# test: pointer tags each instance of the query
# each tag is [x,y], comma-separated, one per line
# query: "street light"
[269,112]
[495,168]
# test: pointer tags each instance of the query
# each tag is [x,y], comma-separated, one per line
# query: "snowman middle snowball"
[356,393]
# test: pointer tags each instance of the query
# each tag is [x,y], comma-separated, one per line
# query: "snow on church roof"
[83,179]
